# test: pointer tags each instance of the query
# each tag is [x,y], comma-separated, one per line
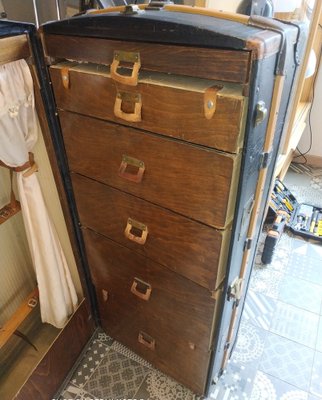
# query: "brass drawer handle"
[141,289]
[140,233]
[128,97]
[127,57]
[135,176]
[146,340]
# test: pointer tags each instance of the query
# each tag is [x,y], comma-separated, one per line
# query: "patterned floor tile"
[235,383]
[83,395]
[266,281]
[305,267]
[116,376]
[301,293]
[70,392]
[93,356]
[120,348]
[295,324]
[315,251]
[267,387]
[157,386]
[316,380]
[318,346]
[104,338]
[259,309]
[311,397]
[288,361]
[250,345]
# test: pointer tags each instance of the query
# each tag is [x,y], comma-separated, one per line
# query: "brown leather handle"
[119,56]
[146,340]
[210,101]
[130,117]
[139,227]
[133,162]
[136,289]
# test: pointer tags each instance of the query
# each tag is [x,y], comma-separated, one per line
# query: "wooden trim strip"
[276,100]
[18,317]
[243,19]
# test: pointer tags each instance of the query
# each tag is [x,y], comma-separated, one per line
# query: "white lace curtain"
[19,128]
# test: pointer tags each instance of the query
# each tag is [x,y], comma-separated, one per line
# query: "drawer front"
[195,182]
[226,65]
[204,116]
[189,248]
[151,309]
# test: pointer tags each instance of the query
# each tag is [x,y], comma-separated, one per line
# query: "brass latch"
[261,112]
[235,290]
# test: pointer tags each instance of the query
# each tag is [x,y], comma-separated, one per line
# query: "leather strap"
[13,201]
[28,167]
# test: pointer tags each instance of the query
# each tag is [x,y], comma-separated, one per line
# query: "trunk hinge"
[265,160]
[234,291]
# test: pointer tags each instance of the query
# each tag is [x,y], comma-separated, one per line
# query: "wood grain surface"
[178,314]
[14,48]
[169,111]
[54,367]
[187,247]
[225,65]
[193,181]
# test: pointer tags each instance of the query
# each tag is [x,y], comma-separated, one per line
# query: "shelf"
[9,211]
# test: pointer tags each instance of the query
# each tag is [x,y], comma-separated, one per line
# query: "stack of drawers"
[155,166]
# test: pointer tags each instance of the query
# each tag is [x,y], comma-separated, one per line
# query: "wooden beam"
[18,317]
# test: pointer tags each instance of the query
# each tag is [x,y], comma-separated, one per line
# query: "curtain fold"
[19,129]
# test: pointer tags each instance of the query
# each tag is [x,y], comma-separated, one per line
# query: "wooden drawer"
[193,181]
[198,111]
[163,317]
[220,64]
[191,249]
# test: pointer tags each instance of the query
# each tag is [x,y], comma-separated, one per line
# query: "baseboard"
[315,161]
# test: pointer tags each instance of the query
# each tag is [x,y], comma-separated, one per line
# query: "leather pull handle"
[141,231]
[64,72]
[137,165]
[210,101]
[141,289]
[128,57]
[129,97]
[146,340]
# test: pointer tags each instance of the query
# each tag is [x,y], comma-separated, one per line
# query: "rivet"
[210,104]
[192,345]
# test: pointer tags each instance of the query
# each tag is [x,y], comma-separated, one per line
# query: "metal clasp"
[235,290]
[261,112]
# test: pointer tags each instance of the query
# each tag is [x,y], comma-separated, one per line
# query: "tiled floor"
[278,355]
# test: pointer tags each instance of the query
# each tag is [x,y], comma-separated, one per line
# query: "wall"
[316,149]
[16,270]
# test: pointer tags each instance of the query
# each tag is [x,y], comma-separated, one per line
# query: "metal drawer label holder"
[141,289]
[132,162]
[139,227]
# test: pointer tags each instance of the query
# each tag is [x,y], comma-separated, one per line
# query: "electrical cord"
[304,153]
